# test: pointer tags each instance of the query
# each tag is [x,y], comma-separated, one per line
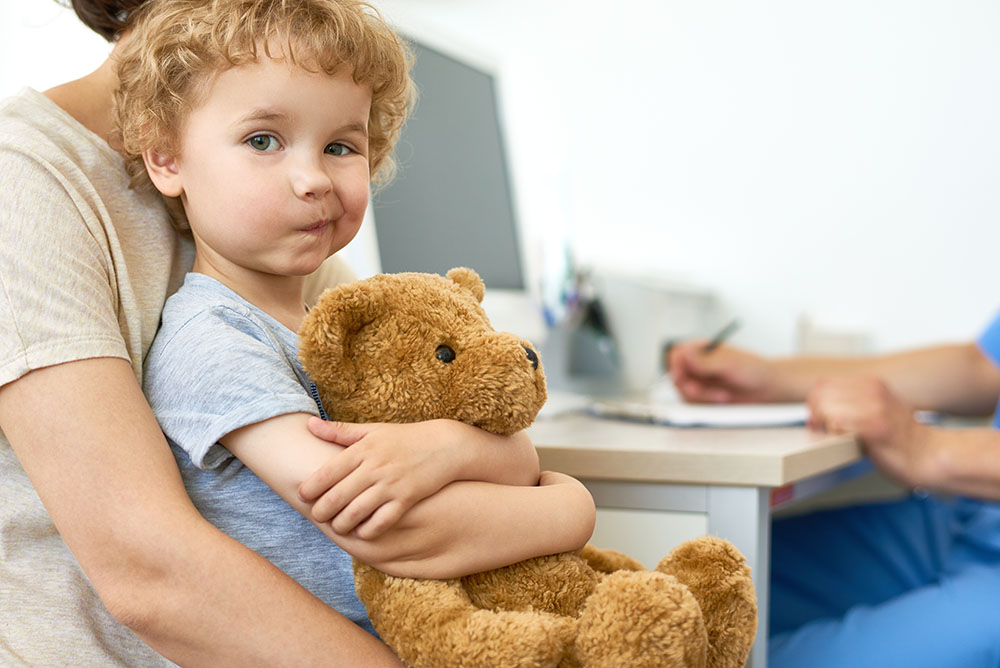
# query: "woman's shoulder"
[35,130]
[32,111]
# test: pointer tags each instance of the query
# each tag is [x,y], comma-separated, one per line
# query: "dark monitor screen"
[450,204]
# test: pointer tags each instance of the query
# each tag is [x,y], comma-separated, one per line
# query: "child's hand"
[383,472]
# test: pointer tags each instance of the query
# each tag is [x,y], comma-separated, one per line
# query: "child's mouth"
[317,228]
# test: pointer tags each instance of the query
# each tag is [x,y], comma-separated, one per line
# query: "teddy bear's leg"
[719,578]
[641,619]
[433,624]
[609,561]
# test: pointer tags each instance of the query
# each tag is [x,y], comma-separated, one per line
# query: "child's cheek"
[359,197]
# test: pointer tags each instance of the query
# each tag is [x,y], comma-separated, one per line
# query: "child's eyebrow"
[272,115]
[262,115]
[360,128]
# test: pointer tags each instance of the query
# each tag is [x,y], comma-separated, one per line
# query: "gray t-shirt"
[219,363]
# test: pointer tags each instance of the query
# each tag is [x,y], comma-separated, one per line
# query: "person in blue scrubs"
[914,582]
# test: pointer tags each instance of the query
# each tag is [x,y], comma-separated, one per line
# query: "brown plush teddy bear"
[411,347]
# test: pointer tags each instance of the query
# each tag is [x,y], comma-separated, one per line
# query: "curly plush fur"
[411,347]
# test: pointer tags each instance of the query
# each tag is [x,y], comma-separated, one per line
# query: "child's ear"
[163,172]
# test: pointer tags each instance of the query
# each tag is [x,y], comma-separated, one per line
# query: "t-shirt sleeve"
[218,372]
[57,303]
[989,340]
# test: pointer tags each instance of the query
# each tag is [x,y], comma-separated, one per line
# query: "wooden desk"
[735,477]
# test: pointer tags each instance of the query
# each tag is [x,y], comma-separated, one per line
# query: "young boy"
[265,120]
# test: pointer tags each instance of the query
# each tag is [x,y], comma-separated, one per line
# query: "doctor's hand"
[723,375]
[899,445]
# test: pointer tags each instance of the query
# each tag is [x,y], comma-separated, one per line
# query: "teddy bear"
[413,346]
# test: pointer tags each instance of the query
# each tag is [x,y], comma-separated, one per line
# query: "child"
[265,120]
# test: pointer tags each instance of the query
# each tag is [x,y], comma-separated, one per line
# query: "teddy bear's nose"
[532,357]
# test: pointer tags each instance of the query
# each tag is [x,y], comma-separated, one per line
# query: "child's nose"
[310,180]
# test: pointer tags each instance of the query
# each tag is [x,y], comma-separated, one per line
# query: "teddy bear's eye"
[445,354]
[532,357]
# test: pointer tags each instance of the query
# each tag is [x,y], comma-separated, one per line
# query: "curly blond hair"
[176,46]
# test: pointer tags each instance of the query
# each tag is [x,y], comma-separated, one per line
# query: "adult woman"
[85,265]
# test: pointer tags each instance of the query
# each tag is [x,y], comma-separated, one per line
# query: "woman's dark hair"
[105,17]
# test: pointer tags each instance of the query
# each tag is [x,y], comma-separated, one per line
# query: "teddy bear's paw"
[718,577]
[641,619]
[433,624]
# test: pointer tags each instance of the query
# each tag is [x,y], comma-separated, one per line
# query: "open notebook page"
[680,414]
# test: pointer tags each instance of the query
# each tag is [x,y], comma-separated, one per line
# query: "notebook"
[680,414]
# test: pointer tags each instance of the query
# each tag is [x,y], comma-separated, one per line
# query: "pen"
[720,338]
[714,343]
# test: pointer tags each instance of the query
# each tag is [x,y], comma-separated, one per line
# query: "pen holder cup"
[645,313]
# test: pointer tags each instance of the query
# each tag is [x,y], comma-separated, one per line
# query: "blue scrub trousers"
[912,583]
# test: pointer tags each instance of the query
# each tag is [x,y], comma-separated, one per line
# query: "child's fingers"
[383,519]
[333,471]
[358,510]
[339,496]
[331,503]
[340,433]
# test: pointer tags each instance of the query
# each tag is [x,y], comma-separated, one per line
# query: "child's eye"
[264,143]
[338,149]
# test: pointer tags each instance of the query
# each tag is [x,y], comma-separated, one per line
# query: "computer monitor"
[451,203]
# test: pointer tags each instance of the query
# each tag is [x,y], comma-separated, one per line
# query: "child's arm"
[388,468]
[470,527]
[463,528]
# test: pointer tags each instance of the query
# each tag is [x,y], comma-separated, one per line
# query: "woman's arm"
[465,527]
[95,454]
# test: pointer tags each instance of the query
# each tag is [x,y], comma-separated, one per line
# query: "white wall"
[832,158]
[42,44]
[835,158]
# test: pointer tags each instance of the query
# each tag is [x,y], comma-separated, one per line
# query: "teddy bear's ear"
[327,331]
[468,279]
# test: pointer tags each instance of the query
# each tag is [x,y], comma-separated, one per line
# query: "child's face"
[273,166]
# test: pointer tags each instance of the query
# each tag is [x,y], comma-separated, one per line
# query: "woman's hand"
[899,445]
[386,469]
